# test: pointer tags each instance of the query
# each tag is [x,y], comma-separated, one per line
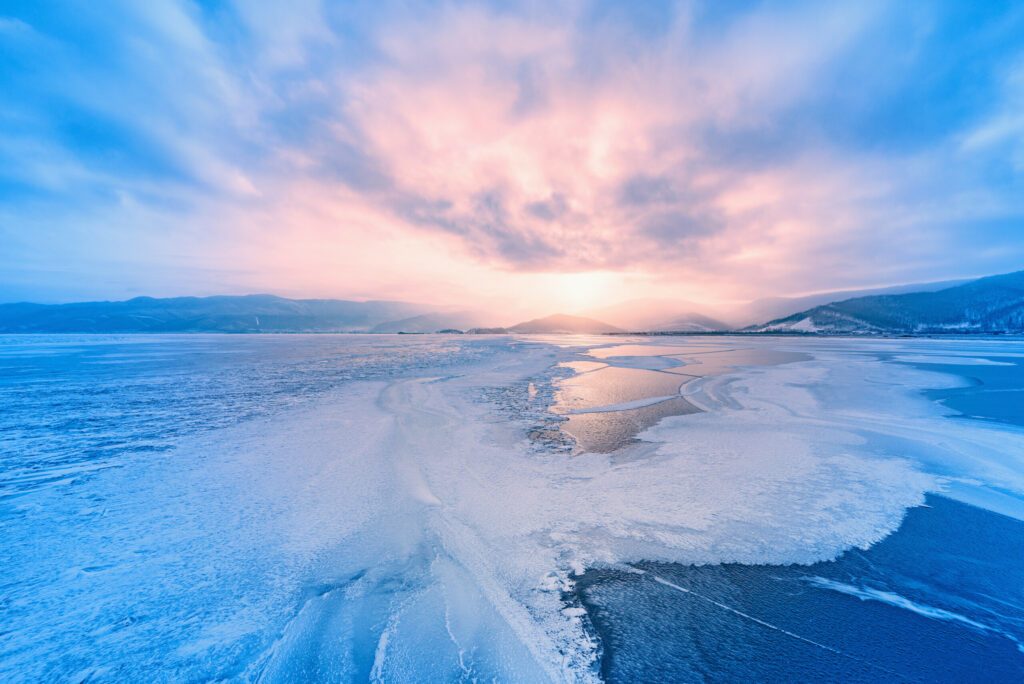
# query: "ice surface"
[895,600]
[949,360]
[614,386]
[942,602]
[398,528]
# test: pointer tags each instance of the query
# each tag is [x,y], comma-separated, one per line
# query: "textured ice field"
[398,524]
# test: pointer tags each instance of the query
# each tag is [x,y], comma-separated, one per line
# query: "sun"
[574,292]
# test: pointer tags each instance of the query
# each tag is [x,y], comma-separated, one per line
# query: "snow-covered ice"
[399,527]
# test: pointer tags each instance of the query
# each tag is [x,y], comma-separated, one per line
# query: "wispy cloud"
[721,151]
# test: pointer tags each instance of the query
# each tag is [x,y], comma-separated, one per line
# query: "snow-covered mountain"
[988,305]
[773,308]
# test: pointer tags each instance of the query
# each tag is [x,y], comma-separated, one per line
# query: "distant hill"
[691,322]
[248,313]
[563,323]
[641,315]
[772,308]
[988,305]
[433,322]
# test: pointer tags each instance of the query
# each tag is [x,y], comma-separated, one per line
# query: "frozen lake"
[446,508]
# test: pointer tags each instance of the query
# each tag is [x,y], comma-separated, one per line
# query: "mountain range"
[242,314]
[434,321]
[772,308]
[994,304]
[659,315]
[565,324]
[988,305]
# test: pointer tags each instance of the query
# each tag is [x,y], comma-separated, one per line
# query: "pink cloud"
[459,153]
[498,131]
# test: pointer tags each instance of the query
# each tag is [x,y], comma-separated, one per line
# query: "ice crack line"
[768,625]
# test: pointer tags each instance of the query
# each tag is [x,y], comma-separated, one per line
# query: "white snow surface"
[783,467]
[804,325]
[413,510]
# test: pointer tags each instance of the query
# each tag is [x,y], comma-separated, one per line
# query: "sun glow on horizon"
[575,292]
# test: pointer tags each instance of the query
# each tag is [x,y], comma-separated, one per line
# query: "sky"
[532,155]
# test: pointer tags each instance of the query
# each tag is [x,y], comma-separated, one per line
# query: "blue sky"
[488,152]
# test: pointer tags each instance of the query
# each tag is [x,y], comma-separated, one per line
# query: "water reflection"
[633,386]
[614,386]
[610,431]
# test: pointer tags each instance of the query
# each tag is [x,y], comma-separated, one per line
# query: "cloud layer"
[466,151]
